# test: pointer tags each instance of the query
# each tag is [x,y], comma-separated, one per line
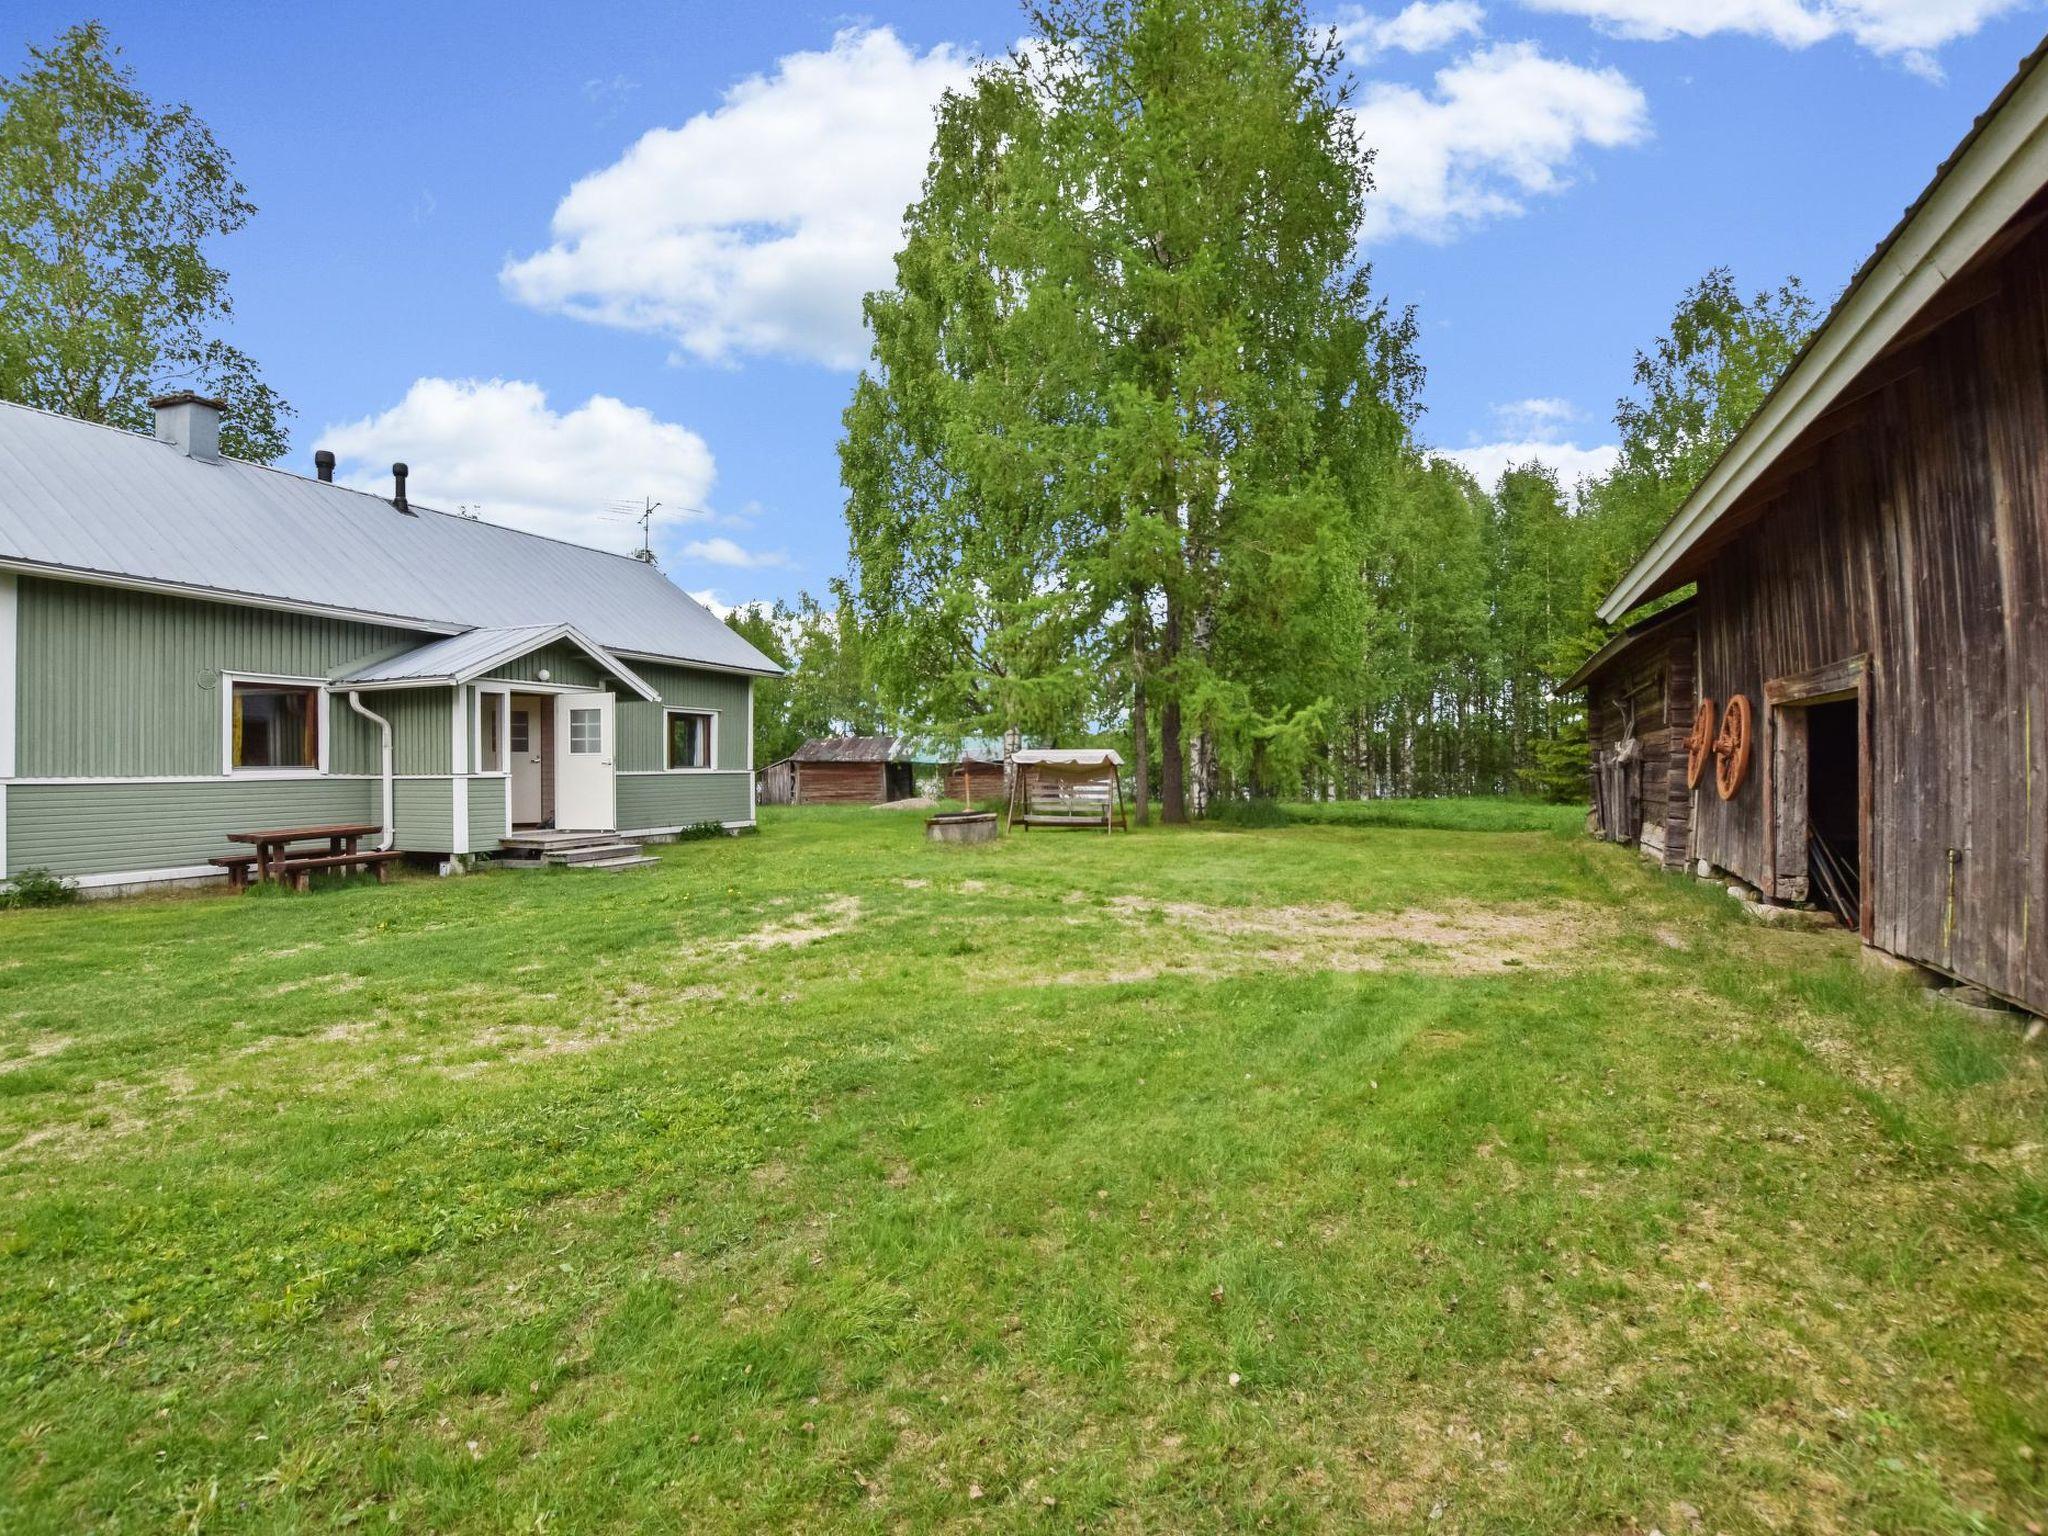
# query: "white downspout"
[355,702]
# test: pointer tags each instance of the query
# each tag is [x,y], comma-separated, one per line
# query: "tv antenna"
[643,514]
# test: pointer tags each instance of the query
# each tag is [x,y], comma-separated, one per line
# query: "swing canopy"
[1075,787]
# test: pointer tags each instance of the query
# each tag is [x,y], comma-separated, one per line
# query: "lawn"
[1423,1170]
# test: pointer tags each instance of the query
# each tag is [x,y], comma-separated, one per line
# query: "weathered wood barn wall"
[841,783]
[971,779]
[1872,565]
[1643,688]
[1916,535]
[839,770]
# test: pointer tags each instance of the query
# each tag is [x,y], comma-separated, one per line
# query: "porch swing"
[1078,789]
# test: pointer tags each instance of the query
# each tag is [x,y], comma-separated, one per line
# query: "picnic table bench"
[281,855]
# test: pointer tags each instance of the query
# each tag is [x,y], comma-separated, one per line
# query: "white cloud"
[1423,27]
[723,551]
[495,447]
[1538,420]
[1487,462]
[1908,29]
[1503,124]
[756,227]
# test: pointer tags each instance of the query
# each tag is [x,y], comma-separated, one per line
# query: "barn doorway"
[1834,808]
[1818,786]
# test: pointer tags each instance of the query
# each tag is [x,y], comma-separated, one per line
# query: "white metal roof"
[2000,165]
[466,657]
[100,503]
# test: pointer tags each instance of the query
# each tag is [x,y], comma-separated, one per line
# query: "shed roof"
[96,502]
[849,749]
[465,657]
[1990,178]
[1627,640]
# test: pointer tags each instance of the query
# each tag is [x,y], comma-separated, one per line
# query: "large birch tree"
[1133,410]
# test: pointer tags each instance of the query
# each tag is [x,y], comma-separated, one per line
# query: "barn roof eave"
[2001,164]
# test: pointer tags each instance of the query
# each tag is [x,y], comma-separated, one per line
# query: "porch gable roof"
[464,658]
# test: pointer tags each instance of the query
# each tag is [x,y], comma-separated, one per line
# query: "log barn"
[976,774]
[1639,711]
[841,770]
[1868,719]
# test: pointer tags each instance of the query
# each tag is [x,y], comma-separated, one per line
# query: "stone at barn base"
[1880,963]
[1975,1003]
[1808,919]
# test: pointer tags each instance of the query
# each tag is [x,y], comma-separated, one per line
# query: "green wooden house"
[190,646]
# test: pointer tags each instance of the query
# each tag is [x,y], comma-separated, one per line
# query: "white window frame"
[709,714]
[316,685]
[568,747]
[502,692]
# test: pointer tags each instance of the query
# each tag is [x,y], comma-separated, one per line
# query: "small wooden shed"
[974,776]
[1079,788]
[841,770]
[1639,711]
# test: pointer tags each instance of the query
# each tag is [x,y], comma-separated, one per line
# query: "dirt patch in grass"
[838,915]
[640,1010]
[1465,940]
[33,1051]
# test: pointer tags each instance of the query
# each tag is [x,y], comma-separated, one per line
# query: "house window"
[520,730]
[274,726]
[586,730]
[689,738]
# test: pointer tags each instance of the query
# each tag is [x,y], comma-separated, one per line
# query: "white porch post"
[10,663]
[753,810]
[505,751]
[459,786]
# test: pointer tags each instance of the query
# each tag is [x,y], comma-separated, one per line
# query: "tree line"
[1136,457]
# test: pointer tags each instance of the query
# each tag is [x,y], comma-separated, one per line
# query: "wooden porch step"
[548,841]
[582,850]
[594,853]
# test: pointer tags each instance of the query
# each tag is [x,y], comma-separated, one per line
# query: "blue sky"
[422,284]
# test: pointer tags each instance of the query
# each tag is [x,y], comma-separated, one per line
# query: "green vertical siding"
[116,683]
[424,810]
[651,800]
[486,814]
[422,727]
[643,727]
[98,829]
[564,664]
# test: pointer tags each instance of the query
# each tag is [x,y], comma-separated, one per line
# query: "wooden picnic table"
[272,843]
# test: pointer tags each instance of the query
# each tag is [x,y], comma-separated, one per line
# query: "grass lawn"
[1426,1169]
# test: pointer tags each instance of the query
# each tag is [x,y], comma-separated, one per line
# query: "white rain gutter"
[355,702]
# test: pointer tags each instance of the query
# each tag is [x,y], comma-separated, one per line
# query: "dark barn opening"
[1834,815]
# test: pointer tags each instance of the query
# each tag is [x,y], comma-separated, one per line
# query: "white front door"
[525,745]
[584,799]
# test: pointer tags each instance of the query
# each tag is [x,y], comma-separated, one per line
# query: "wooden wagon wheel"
[1699,745]
[1731,748]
